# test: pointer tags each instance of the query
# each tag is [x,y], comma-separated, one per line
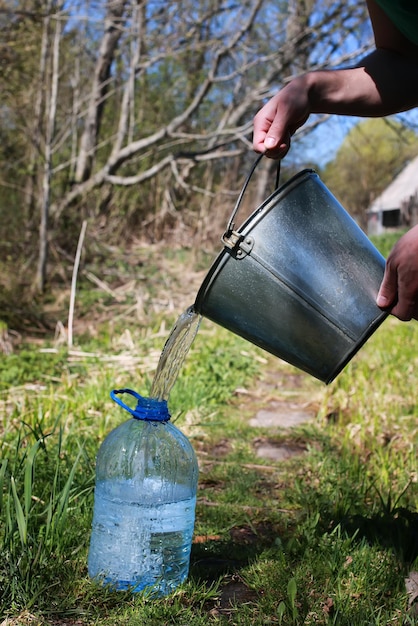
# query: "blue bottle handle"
[151,409]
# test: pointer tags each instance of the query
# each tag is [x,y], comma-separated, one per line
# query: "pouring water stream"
[174,353]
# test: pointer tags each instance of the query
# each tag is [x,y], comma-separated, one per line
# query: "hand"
[279,119]
[399,289]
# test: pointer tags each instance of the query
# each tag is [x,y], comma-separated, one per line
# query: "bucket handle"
[231,237]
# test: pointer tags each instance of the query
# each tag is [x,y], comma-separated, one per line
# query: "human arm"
[383,83]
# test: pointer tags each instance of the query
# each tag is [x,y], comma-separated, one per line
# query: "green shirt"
[404,15]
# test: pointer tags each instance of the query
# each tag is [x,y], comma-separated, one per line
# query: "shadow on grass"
[396,530]
[214,557]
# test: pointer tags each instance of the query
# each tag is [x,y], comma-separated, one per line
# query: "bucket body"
[299,279]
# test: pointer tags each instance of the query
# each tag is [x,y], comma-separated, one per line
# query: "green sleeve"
[404,15]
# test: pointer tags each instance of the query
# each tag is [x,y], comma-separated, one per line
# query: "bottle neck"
[149,409]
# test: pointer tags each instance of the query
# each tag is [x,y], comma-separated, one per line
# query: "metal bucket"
[299,278]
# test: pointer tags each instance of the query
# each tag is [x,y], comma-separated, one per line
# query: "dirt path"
[283,398]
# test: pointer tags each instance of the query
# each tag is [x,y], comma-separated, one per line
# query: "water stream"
[174,353]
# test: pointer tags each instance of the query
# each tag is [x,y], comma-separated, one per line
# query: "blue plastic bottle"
[144,505]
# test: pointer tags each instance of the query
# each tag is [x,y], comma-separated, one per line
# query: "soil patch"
[282,414]
[279,451]
[235,592]
[283,400]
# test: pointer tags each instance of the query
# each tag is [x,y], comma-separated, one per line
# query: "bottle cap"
[151,409]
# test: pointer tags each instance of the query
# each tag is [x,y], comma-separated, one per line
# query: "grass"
[325,538]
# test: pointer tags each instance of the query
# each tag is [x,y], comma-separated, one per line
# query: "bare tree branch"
[167,92]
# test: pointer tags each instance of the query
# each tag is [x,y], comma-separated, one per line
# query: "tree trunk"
[48,152]
[100,85]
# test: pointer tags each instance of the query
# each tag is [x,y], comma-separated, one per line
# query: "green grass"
[384,243]
[324,538]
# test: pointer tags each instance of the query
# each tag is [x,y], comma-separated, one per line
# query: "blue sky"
[321,145]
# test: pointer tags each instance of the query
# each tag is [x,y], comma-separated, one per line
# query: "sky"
[321,146]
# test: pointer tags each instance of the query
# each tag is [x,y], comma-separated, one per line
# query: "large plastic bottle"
[144,505]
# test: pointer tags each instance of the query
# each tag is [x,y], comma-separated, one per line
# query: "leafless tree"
[100,84]
[51,109]
[148,90]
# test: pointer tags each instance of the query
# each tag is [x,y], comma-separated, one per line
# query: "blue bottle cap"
[151,409]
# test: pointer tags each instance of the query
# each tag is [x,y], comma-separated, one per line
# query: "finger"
[277,152]
[261,126]
[404,310]
[270,135]
[388,289]
[404,307]
[270,147]
[277,140]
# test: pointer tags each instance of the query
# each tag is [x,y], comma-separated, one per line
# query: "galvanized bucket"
[299,278]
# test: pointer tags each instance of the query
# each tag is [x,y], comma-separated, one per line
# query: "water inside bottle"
[142,530]
[152,540]
[174,353]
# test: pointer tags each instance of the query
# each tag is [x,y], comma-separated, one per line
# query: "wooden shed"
[397,206]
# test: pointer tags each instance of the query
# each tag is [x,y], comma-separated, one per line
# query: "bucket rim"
[277,195]
[244,240]
[251,221]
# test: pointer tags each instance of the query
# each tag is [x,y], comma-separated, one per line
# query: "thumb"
[277,139]
[388,289]
[271,134]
